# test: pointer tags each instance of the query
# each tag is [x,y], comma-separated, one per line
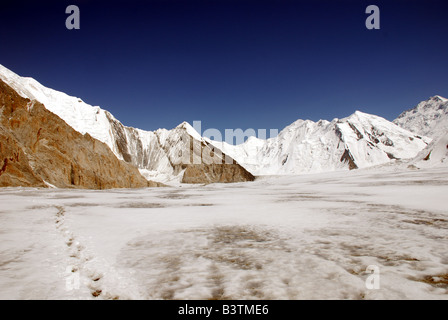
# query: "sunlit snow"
[298,237]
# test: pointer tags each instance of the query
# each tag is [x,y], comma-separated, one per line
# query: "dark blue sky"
[232,63]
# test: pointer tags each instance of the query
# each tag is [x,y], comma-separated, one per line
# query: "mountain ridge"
[38,149]
[428,118]
[357,141]
[153,151]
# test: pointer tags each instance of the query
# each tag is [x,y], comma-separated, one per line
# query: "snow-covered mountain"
[434,155]
[158,154]
[129,144]
[39,149]
[429,118]
[81,116]
[358,141]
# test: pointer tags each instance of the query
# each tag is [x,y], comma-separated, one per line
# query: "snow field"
[299,237]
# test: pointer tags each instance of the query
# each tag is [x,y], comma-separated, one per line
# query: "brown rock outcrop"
[211,173]
[38,147]
[201,161]
[15,169]
[205,163]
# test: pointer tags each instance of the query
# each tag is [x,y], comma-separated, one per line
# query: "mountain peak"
[437,97]
[183,125]
[429,118]
[360,115]
[190,130]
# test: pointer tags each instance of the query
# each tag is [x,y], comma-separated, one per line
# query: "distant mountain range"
[358,141]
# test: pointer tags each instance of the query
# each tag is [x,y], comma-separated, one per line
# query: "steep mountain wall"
[358,141]
[38,148]
[156,152]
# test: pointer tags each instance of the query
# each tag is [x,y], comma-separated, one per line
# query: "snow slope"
[429,118]
[358,141]
[434,155]
[81,116]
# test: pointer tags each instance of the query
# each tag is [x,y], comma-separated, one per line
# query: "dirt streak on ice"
[302,237]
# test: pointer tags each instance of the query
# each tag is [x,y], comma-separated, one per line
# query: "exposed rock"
[348,158]
[207,164]
[15,169]
[209,173]
[200,161]
[157,153]
[178,153]
[38,147]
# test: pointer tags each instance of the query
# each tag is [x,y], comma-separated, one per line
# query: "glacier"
[286,237]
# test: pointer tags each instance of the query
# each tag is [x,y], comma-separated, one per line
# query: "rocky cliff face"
[37,148]
[160,153]
[198,160]
[15,166]
[208,173]
[180,152]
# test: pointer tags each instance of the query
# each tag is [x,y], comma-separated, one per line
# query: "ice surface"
[297,237]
